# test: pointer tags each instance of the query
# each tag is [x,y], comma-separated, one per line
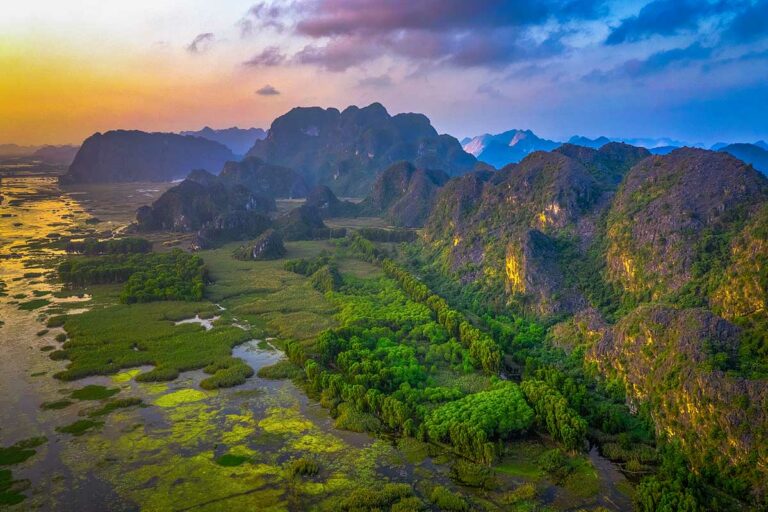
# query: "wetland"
[212,404]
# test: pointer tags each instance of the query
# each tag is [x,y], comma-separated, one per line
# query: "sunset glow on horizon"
[183,64]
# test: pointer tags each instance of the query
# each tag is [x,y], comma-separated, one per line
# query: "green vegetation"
[104,341]
[113,405]
[280,370]
[304,466]
[93,392]
[33,304]
[472,423]
[20,451]
[230,460]
[553,411]
[79,427]
[388,495]
[387,235]
[175,275]
[95,247]
[447,500]
[57,404]
[10,489]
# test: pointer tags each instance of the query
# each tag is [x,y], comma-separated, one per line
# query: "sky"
[695,71]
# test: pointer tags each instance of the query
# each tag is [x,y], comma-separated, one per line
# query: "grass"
[10,489]
[230,460]
[281,303]
[56,405]
[93,392]
[33,304]
[114,405]
[20,451]
[105,340]
[79,427]
[280,370]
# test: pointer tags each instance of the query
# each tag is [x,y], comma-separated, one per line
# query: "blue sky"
[691,70]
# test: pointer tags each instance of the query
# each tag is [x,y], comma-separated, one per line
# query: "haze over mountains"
[239,140]
[514,145]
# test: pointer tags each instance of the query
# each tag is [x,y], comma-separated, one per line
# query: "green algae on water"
[182,396]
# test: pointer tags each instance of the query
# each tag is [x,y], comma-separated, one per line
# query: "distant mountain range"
[514,145]
[508,147]
[755,154]
[59,155]
[239,140]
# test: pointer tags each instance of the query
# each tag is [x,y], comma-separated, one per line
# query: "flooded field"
[113,443]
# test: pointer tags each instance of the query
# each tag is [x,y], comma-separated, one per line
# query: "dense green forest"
[175,275]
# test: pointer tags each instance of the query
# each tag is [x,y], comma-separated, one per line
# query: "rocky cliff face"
[192,205]
[346,150]
[404,194]
[268,246]
[264,179]
[659,265]
[124,156]
[666,206]
[504,230]
[680,362]
[325,201]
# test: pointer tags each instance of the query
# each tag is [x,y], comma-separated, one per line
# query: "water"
[162,456]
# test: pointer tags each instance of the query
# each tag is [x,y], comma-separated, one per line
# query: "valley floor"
[114,442]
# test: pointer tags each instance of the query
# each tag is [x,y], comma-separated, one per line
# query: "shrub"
[447,500]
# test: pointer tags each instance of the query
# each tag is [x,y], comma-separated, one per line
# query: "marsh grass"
[230,460]
[56,405]
[79,427]
[93,392]
[34,304]
[113,405]
[280,370]
[106,340]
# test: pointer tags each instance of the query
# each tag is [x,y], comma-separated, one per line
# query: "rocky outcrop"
[268,246]
[329,206]
[191,205]
[231,225]
[125,156]
[680,363]
[238,140]
[346,150]
[302,223]
[404,194]
[665,206]
[264,179]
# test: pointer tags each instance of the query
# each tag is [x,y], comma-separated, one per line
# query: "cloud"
[672,17]
[201,43]
[654,63]
[482,33]
[749,25]
[267,90]
[379,81]
[338,54]
[490,91]
[262,15]
[270,56]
